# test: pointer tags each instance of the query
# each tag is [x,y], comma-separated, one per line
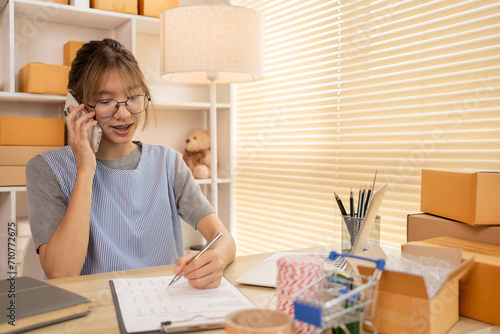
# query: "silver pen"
[207,247]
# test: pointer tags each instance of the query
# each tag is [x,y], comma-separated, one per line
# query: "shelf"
[31,98]
[189,105]
[85,17]
[13,188]
[48,98]
[180,107]
[209,181]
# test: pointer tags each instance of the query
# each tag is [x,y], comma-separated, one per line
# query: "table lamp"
[209,43]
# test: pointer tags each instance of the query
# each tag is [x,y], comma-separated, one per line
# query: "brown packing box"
[62,2]
[479,289]
[403,305]
[69,51]
[28,131]
[123,6]
[468,196]
[12,176]
[155,7]
[43,78]
[421,226]
[20,155]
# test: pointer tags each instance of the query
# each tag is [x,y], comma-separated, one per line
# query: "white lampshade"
[223,41]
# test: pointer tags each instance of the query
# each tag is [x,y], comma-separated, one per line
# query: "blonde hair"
[94,60]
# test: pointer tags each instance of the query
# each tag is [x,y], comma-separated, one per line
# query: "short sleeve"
[46,202]
[192,204]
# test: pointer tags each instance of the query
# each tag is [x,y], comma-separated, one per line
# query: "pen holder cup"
[350,230]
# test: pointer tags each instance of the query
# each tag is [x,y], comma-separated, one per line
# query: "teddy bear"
[197,153]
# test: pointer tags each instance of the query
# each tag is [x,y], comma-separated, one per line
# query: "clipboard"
[170,322]
[119,316]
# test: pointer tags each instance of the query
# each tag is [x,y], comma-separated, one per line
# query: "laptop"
[266,272]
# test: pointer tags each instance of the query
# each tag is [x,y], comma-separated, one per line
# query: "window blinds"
[354,87]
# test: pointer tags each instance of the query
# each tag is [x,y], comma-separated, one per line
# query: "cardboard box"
[123,6]
[27,131]
[421,226]
[480,288]
[62,2]
[20,155]
[69,51]
[43,78]
[12,176]
[200,2]
[155,7]
[468,196]
[403,304]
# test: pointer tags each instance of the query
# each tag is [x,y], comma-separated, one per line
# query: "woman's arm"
[65,252]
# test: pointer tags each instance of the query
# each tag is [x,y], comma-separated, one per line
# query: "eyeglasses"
[134,104]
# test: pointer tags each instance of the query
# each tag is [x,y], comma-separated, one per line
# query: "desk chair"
[31,261]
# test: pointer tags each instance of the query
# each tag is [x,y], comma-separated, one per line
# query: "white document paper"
[147,302]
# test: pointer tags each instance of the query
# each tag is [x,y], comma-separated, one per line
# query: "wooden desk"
[102,318]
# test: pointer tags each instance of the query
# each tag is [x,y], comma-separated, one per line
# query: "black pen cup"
[350,230]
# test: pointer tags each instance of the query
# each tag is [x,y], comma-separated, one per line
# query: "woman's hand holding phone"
[78,129]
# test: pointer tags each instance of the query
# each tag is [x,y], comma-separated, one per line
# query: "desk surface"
[102,318]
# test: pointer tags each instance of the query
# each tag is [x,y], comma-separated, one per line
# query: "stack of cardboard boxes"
[461,225]
[62,2]
[22,138]
[462,210]
[151,8]
[48,78]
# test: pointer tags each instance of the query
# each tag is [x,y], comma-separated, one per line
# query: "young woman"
[119,208]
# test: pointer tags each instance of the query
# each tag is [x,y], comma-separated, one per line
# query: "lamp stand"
[212,77]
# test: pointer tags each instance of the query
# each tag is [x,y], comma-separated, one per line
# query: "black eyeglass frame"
[148,99]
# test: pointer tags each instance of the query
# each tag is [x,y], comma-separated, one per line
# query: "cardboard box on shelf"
[421,226]
[467,196]
[403,304]
[12,176]
[155,7]
[43,78]
[69,51]
[62,2]
[20,155]
[123,6]
[479,289]
[29,131]
[200,2]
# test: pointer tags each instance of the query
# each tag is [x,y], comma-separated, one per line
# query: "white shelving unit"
[35,31]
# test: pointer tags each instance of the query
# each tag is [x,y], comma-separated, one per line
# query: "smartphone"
[95,132]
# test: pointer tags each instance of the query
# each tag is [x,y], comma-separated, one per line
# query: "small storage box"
[479,289]
[123,6]
[20,155]
[155,7]
[69,51]
[468,196]
[31,131]
[421,226]
[62,2]
[403,304]
[44,78]
[12,176]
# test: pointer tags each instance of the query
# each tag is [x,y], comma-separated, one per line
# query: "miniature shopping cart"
[337,300]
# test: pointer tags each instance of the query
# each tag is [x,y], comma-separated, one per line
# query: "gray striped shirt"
[134,221]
